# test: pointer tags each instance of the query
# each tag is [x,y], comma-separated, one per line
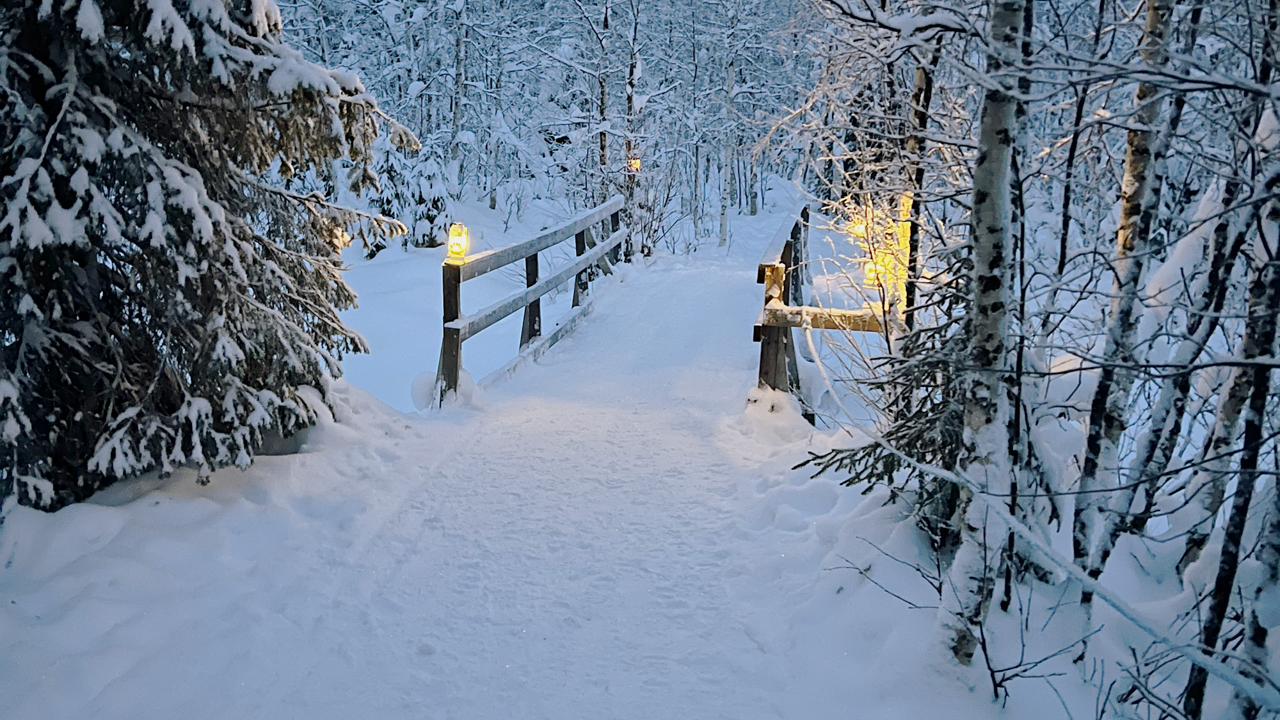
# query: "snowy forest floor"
[614,532]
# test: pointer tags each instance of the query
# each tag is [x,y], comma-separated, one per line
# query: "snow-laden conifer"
[412,189]
[163,302]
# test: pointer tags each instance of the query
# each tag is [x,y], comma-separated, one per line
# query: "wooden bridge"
[784,271]
[613,535]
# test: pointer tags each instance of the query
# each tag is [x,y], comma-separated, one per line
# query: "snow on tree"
[1126,401]
[164,303]
[412,189]
[554,98]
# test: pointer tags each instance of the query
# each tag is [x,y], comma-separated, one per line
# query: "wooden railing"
[457,328]
[784,272]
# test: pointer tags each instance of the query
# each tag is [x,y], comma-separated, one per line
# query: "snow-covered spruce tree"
[411,189]
[162,304]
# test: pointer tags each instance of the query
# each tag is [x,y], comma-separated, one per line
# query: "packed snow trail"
[612,533]
[571,538]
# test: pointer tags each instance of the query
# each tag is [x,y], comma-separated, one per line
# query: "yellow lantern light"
[459,239]
[886,240]
[633,164]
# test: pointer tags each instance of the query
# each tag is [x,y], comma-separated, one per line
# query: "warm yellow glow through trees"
[885,239]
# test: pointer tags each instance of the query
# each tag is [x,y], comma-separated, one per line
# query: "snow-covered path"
[586,539]
[569,548]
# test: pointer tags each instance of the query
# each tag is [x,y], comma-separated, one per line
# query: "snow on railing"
[455,270]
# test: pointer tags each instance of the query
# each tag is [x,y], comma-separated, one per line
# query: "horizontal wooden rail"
[773,259]
[490,260]
[538,347]
[455,271]
[470,326]
[864,320]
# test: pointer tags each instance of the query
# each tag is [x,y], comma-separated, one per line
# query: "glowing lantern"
[458,240]
[633,164]
[886,241]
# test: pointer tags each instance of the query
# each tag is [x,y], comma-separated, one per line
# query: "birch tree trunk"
[1073,148]
[696,202]
[1259,343]
[985,455]
[726,166]
[1254,651]
[1156,447]
[629,188]
[1208,483]
[603,85]
[495,142]
[459,92]
[921,99]
[1107,414]
[1160,162]
[725,170]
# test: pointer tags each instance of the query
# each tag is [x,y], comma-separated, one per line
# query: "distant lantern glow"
[634,164]
[458,240]
[886,241]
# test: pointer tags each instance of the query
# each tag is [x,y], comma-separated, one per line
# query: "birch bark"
[726,163]
[1107,415]
[1208,483]
[1244,707]
[1259,343]
[459,93]
[921,99]
[985,456]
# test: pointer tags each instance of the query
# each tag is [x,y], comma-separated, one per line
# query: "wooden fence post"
[794,294]
[773,358]
[533,311]
[773,340]
[451,342]
[789,376]
[800,274]
[796,255]
[580,284]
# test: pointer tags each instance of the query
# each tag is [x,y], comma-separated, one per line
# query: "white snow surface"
[614,532]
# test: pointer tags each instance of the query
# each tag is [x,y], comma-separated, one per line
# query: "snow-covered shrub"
[161,303]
